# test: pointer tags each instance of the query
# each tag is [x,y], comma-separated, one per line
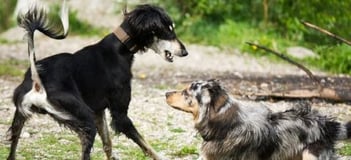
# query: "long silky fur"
[240,131]
[36,19]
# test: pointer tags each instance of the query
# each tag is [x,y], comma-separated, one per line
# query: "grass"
[66,145]
[12,67]
[345,150]
[186,150]
[4,41]
[177,130]
[48,146]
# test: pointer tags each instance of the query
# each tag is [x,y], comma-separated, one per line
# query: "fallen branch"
[324,93]
[326,32]
[319,92]
[282,56]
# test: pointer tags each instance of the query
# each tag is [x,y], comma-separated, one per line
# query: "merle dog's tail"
[36,18]
[344,131]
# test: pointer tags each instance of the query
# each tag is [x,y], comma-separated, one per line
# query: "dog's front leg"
[119,104]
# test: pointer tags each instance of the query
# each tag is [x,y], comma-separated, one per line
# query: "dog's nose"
[184,53]
[168,94]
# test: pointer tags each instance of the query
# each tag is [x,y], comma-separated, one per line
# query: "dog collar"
[125,39]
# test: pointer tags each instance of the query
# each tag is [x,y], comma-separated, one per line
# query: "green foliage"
[6,9]
[230,23]
[81,27]
[283,15]
[331,15]
[334,59]
[76,24]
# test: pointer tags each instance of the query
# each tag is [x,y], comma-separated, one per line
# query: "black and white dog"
[233,130]
[75,89]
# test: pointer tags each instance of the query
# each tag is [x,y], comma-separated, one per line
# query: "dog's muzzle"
[169,93]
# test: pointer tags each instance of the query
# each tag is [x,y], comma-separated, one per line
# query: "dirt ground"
[153,77]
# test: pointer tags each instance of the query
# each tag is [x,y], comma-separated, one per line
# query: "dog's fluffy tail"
[36,18]
[344,131]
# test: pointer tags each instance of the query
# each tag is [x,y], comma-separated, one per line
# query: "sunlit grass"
[12,67]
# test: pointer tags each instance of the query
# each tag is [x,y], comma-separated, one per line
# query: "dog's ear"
[212,83]
[219,96]
[125,10]
[219,102]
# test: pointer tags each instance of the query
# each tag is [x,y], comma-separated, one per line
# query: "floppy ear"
[219,97]
[212,83]
[219,102]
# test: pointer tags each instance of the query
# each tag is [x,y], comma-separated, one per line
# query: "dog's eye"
[170,28]
[195,86]
[190,102]
[186,94]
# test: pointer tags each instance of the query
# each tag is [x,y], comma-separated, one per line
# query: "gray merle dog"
[232,130]
[75,89]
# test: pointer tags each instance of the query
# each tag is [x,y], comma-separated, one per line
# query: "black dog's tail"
[36,18]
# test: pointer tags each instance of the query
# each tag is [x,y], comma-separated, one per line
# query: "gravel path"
[148,108]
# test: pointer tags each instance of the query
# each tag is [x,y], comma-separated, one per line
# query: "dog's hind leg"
[81,119]
[101,125]
[15,132]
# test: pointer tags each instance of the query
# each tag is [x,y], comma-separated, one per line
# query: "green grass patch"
[345,150]
[162,86]
[52,146]
[4,151]
[186,151]
[65,145]
[177,130]
[4,41]
[12,67]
